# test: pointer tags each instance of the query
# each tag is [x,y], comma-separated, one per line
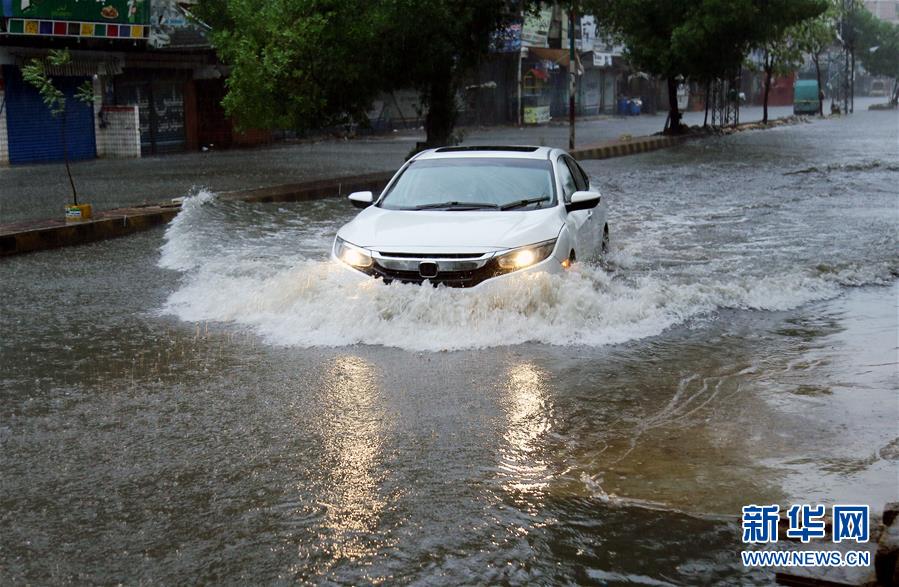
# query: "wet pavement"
[213,402]
[37,192]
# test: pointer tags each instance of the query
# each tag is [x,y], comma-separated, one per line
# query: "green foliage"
[295,63]
[35,73]
[85,92]
[877,44]
[310,63]
[815,35]
[702,39]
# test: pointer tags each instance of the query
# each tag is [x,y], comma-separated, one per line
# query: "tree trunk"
[816,59]
[65,156]
[441,118]
[674,126]
[769,68]
[708,94]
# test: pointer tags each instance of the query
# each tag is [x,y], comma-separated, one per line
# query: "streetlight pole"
[572,82]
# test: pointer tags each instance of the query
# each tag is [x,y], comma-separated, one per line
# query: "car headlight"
[351,254]
[525,256]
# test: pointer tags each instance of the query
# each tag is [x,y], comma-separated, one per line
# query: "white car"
[460,216]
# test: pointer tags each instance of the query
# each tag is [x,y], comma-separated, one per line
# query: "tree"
[779,56]
[295,63]
[877,42]
[35,72]
[313,63]
[703,39]
[815,36]
[646,28]
[775,36]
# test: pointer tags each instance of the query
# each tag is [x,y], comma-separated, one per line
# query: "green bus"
[805,97]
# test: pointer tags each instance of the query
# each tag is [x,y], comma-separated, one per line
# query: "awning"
[81,65]
[562,57]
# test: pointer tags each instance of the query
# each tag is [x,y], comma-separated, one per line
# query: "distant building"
[887,10]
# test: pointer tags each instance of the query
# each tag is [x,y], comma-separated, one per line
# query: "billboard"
[506,40]
[535,29]
[103,11]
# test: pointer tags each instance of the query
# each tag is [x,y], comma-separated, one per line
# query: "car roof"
[500,151]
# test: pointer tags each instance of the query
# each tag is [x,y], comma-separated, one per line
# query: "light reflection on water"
[354,435]
[528,406]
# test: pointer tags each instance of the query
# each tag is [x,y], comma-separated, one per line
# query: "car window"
[584,175]
[489,181]
[569,186]
[579,179]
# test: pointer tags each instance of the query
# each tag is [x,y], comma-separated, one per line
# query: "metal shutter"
[35,135]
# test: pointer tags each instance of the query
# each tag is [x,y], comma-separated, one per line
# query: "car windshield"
[472,184]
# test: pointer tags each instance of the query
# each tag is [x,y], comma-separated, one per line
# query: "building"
[157,82]
[887,10]
[526,77]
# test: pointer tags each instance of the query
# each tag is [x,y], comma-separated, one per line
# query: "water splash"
[279,292]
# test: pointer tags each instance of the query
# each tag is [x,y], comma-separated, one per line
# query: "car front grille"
[447,278]
[453,269]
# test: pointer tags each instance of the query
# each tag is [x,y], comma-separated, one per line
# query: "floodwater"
[212,402]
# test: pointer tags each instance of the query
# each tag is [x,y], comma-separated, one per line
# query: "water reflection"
[529,410]
[353,445]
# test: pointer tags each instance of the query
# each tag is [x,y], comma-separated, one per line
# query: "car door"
[578,220]
[596,217]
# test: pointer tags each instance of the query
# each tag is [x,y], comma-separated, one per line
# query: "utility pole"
[572,82]
[852,82]
[520,82]
[520,56]
[845,38]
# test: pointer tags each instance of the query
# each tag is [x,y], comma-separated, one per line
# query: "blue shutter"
[34,133]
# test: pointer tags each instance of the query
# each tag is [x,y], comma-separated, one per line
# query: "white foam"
[179,251]
[301,302]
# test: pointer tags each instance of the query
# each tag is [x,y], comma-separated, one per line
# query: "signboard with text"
[535,29]
[100,11]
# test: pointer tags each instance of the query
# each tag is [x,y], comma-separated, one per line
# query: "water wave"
[861,166]
[314,302]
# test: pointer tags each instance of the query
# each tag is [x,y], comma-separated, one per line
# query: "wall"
[118,132]
[4,149]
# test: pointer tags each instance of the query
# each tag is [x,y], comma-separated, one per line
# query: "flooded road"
[213,403]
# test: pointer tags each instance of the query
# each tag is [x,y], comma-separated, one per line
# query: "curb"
[111,224]
[50,234]
[626,147]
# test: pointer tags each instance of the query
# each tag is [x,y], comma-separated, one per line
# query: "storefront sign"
[134,12]
[601,59]
[62,28]
[535,30]
[506,40]
[536,114]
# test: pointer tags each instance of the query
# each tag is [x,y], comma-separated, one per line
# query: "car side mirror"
[583,200]
[362,199]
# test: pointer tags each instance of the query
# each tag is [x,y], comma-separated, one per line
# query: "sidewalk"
[35,192]
[35,235]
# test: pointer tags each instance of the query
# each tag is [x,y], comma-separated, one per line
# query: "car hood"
[450,231]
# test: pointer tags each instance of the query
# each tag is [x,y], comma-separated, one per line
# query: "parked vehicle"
[805,97]
[878,88]
[460,216]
